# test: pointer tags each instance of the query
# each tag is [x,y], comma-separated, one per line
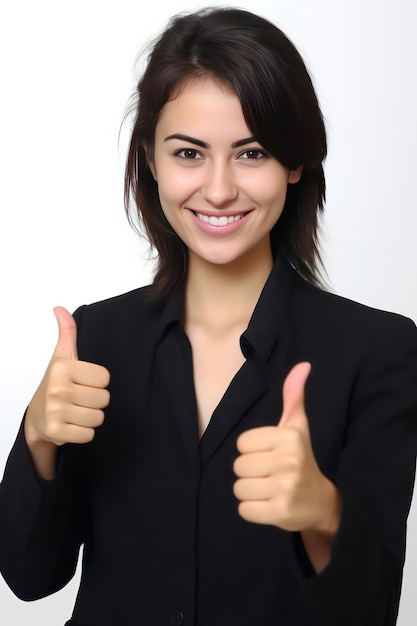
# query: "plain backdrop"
[67,70]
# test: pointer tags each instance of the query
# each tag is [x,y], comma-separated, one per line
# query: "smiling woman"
[218,441]
[255,65]
[219,189]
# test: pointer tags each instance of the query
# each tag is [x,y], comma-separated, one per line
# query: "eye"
[253,155]
[188,153]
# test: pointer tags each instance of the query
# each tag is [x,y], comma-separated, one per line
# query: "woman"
[232,445]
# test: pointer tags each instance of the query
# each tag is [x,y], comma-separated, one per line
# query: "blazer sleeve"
[375,475]
[41,528]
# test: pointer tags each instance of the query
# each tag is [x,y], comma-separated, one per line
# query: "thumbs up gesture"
[68,404]
[279,481]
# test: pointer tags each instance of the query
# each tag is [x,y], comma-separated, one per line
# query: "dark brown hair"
[258,62]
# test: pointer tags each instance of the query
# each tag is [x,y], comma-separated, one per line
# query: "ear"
[295,175]
[150,162]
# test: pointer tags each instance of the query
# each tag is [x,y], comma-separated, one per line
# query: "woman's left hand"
[279,481]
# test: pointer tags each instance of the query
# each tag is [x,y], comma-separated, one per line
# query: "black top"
[154,506]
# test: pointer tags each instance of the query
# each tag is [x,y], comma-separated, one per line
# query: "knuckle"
[100,417]
[293,436]
[57,389]
[241,442]
[293,464]
[81,435]
[89,435]
[245,511]
[53,432]
[236,490]
[106,398]
[59,368]
[237,466]
[102,374]
[107,376]
[53,394]
[54,411]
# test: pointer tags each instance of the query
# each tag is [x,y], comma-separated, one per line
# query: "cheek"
[271,197]
[170,196]
[268,187]
[278,188]
[175,185]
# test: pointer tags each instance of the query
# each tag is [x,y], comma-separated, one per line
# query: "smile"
[223,220]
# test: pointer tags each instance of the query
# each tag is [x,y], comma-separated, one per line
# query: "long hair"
[259,63]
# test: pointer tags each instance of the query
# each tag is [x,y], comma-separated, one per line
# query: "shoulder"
[118,308]
[329,315]
[117,324]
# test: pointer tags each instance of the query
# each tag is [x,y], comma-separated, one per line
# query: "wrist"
[318,540]
[43,453]
[331,509]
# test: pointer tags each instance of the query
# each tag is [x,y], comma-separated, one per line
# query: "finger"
[72,433]
[251,489]
[253,465]
[65,373]
[90,374]
[293,412]
[257,440]
[90,397]
[257,511]
[80,417]
[83,417]
[67,339]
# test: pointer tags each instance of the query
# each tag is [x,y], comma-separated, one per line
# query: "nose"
[220,187]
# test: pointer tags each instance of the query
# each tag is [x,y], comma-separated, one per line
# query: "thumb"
[67,339]
[293,411]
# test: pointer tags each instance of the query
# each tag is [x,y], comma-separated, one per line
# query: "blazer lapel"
[246,387]
[268,325]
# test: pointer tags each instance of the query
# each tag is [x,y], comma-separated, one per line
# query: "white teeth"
[218,221]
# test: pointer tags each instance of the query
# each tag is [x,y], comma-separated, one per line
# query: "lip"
[223,229]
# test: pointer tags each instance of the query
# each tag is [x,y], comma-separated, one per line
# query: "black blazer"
[154,507]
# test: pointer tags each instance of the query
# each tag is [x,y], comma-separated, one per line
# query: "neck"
[226,294]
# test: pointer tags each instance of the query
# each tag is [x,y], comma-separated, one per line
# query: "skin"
[207,165]
[68,405]
[219,178]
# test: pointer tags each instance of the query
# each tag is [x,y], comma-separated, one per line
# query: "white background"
[67,70]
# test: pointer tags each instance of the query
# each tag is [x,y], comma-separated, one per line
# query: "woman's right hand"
[68,405]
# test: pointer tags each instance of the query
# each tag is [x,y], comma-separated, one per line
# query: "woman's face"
[219,189]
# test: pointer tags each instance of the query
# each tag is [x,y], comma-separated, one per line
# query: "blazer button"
[177,618]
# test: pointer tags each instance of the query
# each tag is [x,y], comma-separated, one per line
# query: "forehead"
[203,107]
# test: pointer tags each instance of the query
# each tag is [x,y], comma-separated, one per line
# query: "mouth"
[223,220]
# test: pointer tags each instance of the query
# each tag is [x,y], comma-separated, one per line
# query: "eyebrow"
[203,144]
